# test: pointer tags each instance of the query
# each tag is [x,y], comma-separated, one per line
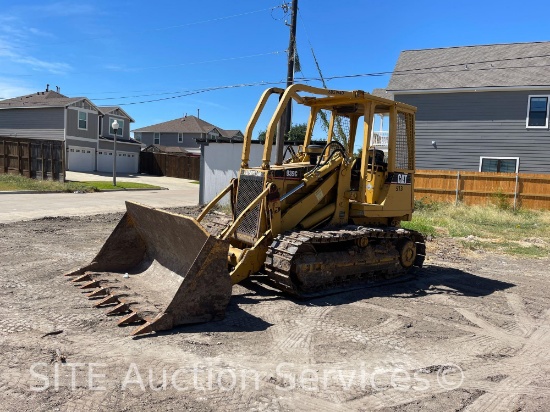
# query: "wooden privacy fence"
[530,191]
[161,164]
[37,159]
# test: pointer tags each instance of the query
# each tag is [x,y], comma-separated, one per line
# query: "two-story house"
[184,132]
[83,126]
[480,108]
[128,149]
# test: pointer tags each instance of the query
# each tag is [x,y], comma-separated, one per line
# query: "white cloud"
[37,64]
[6,49]
[38,32]
[59,8]
[209,103]
[13,49]
[119,68]
[12,88]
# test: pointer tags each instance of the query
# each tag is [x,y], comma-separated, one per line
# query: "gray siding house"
[82,125]
[184,132]
[480,108]
[127,148]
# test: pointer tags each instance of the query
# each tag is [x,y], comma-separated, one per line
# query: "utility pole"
[286,120]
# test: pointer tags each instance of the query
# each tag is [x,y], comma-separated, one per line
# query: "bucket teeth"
[86,277]
[118,309]
[98,293]
[131,318]
[157,247]
[108,300]
[143,329]
[90,285]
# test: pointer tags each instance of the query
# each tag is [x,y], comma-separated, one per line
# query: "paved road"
[16,206]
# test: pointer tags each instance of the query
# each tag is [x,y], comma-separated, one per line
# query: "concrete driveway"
[171,183]
[24,206]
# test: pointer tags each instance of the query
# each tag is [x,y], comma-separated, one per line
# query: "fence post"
[29,155]
[43,175]
[63,160]
[51,162]
[19,166]
[457,187]
[516,192]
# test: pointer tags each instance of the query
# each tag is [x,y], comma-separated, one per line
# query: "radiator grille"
[250,186]
[341,129]
[404,154]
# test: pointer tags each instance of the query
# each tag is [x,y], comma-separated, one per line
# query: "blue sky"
[122,52]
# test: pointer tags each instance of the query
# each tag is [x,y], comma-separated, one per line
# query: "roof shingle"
[495,65]
[382,93]
[40,99]
[187,124]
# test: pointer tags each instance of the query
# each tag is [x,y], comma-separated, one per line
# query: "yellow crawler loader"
[321,221]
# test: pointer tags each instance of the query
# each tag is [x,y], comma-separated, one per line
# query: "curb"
[25,192]
[136,189]
[38,192]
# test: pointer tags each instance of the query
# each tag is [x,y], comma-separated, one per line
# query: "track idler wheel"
[407,253]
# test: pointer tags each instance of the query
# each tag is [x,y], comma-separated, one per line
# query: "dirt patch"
[470,330]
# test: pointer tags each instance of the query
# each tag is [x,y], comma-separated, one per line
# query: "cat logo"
[402,179]
[399,178]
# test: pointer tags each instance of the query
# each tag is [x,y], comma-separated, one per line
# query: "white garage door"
[105,161]
[126,162]
[81,159]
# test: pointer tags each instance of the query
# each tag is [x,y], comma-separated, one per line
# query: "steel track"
[315,263]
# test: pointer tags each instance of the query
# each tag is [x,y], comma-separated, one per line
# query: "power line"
[155,29]
[309,80]
[209,89]
[214,19]
[132,69]
[208,61]
[415,71]
[327,78]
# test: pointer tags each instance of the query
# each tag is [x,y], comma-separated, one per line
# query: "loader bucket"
[159,269]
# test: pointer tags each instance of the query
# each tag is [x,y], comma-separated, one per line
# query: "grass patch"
[420,224]
[21,183]
[224,208]
[509,248]
[108,185]
[521,232]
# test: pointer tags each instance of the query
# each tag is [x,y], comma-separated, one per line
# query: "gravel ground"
[470,331]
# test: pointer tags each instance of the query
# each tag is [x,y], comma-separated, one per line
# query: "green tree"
[261,136]
[297,133]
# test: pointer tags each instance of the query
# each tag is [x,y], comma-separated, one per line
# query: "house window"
[120,129]
[156,138]
[499,164]
[82,120]
[537,112]
[137,136]
[180,137]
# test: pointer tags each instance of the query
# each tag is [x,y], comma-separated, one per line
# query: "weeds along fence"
[37,159]
[513,190]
